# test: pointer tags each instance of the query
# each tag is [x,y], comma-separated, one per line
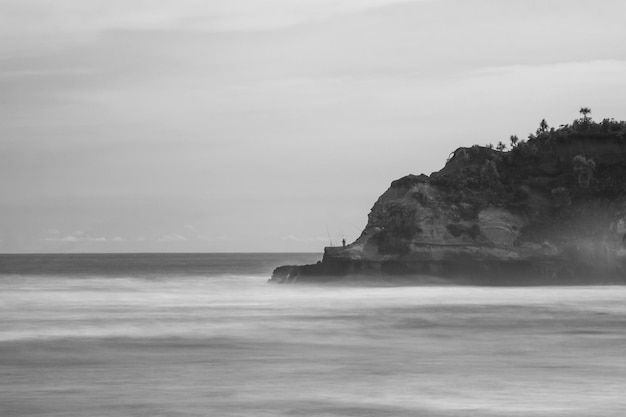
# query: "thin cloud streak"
[96,16]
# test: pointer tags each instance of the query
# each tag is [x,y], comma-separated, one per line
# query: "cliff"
[551,210]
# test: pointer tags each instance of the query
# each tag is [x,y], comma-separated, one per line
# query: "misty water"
[207,336]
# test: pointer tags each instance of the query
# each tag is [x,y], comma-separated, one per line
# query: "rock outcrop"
[552,210]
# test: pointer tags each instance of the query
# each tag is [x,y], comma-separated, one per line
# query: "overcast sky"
[269,125]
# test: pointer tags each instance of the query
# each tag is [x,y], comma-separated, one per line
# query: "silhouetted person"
[343,242]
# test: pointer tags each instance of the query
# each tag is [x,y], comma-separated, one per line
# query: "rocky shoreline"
[552,210]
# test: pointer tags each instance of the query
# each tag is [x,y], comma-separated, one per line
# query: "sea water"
[205,335]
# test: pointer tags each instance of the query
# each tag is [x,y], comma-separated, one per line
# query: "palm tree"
[514,140]
[585,111]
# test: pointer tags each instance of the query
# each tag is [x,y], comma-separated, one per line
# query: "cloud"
[12,74]
[67,17]
[191,232]
[74,238]
[62,239]
[293,238]
[172,237]
[79,236]
[213,238]
[580,68]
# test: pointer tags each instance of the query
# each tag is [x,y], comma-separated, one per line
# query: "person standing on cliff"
[343,242]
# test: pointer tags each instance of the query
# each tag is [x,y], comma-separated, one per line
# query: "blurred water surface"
[204,335]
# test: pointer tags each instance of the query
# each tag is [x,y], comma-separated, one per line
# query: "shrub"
[583,169]
[561,197]
[489,175]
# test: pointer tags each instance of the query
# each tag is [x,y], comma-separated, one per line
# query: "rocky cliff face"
[552,210]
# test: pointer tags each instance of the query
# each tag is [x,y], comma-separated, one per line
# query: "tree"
[543,127]
[585,111]
[514,139]
[500,146]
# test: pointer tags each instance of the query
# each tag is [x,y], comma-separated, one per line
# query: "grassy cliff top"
[578,161]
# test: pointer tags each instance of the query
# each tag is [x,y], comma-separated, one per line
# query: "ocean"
[205,335]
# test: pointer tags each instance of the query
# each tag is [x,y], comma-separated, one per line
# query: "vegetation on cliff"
[552,206]
[551,174]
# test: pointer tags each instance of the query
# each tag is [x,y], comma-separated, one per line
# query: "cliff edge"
[551,210]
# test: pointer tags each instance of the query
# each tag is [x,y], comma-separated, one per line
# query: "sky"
[269,125]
